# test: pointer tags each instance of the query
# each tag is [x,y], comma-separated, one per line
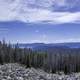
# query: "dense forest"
[51,60]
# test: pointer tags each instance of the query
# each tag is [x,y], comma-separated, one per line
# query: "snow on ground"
[14,71]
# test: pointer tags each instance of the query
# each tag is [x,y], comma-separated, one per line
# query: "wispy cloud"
[4,30]
[38,11]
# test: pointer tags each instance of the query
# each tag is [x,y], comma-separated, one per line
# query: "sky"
[40,21]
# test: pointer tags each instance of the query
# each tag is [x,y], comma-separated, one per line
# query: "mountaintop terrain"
[14,71]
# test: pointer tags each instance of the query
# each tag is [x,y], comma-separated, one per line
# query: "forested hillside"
[51,60]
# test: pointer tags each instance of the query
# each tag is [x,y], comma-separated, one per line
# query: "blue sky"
[47,33]
[43,21]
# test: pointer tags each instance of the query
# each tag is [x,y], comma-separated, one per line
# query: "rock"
[8,77]
[14,71]
[20,78]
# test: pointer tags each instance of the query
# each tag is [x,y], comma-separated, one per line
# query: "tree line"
[51,60]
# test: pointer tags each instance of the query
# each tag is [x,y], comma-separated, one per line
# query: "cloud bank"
[40,11]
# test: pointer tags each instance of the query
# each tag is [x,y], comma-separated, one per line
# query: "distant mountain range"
[43,46]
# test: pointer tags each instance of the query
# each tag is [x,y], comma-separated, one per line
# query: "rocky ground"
[18,72]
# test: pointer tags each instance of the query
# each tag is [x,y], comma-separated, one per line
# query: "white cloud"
[69,18]
[42,40]
[23,10]
[67,40]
